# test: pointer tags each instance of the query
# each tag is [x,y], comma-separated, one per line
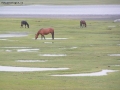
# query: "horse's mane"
[39,31]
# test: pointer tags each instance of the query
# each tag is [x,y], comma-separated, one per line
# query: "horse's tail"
[27,25]
[53,35]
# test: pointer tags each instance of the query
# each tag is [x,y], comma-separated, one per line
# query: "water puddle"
[116,65]
[31,60]
[27,69]
[14,47]
[27,50]
[117,20]
[113,54]
[48,42]
[3,39]
[52,54]
[101,73]
[8,50]
[13,35]
[111,26]
[69,48]
[73,47]
[51,38]
[20,49]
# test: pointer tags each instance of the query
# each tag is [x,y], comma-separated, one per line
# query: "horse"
[83,23]
[24,23]
[45,31]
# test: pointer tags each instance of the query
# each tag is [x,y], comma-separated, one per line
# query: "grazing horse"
[45,31]
[83,23]
[24,23]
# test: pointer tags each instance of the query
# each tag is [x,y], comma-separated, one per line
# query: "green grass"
[65,2]
[93,43]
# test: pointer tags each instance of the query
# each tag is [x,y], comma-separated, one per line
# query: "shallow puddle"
[20,49]
[101,73]
[69,48]
[31,60]
[3,39]
[15,47]
[15,34]
[27,50]
[113,54]
[116,65]
[27,69]
[73,47]
[51,38]
[112,26]
[52,54]
[48,42]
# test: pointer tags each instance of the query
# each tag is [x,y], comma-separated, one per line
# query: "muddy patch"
[31,60]
[14,34]
[53,55]
[27,69]
[101,73]
[113,54]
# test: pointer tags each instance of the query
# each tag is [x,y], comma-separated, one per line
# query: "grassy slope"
[93,43]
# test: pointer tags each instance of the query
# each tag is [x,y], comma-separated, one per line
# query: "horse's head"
[27,25]
[36,36]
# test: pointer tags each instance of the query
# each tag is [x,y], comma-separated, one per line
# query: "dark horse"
[45,31]
[83,23]
[24,23]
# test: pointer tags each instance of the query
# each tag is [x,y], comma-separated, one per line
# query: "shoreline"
[57,16]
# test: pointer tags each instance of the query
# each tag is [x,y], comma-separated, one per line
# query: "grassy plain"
[93,43]
[65,2]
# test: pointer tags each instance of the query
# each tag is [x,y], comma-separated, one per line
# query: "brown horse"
[83,23]
[45,31]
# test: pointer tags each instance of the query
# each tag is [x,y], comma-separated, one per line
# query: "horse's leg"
[44,37]
[41,37]
[52,35]
[81,25]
